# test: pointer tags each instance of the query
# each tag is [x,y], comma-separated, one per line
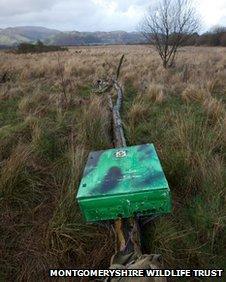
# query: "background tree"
[168,25]
[217,34]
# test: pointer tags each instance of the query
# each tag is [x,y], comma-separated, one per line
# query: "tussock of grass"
[193,93]
[155,93]
[36,104]
[12,170]
[214,108]
[138,111]
[95,125]
[214,85]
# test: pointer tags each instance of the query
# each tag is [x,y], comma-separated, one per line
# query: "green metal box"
[123,182]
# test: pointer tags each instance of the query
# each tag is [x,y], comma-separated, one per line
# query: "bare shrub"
[169,24]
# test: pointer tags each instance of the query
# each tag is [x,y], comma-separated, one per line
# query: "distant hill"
[15,35]
[95,38]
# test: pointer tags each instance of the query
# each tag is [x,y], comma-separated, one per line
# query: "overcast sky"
[93,15]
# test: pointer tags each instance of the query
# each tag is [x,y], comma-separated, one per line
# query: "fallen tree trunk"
[119,138]
[128,252]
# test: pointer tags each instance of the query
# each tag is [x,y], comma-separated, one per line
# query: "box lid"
[126,170]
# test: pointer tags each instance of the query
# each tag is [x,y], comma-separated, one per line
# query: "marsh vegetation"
[50,120]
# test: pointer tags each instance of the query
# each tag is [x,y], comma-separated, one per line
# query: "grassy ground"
[50,120]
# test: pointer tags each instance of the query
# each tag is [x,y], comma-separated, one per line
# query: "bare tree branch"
[168,25]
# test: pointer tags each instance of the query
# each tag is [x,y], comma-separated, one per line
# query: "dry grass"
[155,93]
[214,108]
[50,120]
[193,93]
